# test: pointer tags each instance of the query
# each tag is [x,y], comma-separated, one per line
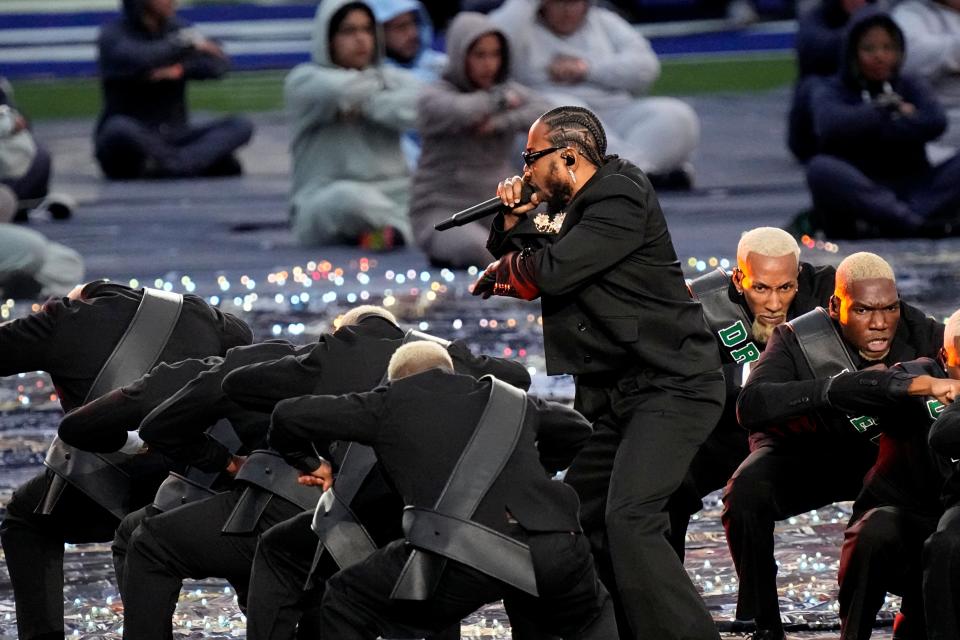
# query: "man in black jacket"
[146,57]
[200,539]
[174,406]
[785,406]
[941,551]
[617,315]
[71,338]
[486,485]
[768,287]
[900,504]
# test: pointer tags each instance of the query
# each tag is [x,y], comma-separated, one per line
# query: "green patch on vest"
[863,423]
[734,334]
[935,408]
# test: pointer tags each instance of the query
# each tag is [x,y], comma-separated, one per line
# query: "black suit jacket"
[72,339]
[944,439]
[178,426]
[908,474]
[782,395]
[101,426]
[419,427]
[612,291]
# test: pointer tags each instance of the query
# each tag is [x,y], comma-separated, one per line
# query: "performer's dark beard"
[560,194]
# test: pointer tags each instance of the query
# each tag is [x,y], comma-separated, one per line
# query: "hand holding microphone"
[517,197]
[514,198]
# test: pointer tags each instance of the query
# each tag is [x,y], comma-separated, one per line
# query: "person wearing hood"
[25,165]
[469,122]
[573,52]
[819,42]
[871,175]
[931,29]
[146,57]
[408,37]
[348,110]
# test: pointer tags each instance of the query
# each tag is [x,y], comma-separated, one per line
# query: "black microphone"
[482,210]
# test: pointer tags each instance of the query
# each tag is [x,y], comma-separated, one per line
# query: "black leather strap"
[827,356]
[268,470]
[727,320]
[339,530]
[267,474]
[178,490]
[193,484]
[105,478]
[141,344]
[491,445]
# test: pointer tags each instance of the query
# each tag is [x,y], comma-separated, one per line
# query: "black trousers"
[647,430]
[717,460]
[775,483]
[126,148]
[882,552]
[282,587]
[572,602]
[285,596]
[121,543]
[941,578]
[33,544]
[187,542]
[34,184]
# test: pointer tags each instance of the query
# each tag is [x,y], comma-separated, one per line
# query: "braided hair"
[579,128]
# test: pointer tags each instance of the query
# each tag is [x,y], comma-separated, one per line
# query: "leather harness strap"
[105,478]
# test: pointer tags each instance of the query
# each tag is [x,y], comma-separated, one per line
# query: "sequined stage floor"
[224,239]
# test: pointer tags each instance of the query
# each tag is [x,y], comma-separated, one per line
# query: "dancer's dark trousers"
[33,544]
[572,602]
[187,542]
[881,553]
[775,483]
[647,429]
[941,578]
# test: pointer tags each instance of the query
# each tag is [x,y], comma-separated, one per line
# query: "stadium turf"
[248,91]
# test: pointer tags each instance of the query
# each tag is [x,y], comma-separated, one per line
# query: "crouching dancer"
[484,522]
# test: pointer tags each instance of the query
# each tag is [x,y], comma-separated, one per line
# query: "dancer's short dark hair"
[577,127]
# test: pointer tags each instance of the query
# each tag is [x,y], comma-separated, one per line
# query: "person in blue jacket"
[819,42]
[146,57]
[871,176]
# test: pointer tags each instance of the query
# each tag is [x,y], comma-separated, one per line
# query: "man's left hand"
[322,476]
[503,278]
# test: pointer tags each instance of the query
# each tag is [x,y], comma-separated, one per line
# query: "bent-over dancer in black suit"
[429,413]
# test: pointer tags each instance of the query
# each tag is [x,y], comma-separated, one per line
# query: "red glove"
[505,278]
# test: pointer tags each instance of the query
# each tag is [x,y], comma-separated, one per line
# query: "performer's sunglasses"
[529,157]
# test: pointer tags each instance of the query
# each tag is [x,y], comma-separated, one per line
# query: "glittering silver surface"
[225,240]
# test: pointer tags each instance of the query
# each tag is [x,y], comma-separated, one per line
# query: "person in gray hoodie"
[468,121]
[350,180]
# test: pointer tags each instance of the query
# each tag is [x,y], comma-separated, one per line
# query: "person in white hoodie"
[575,53]
[931,29]
[350,180]
[31,265]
